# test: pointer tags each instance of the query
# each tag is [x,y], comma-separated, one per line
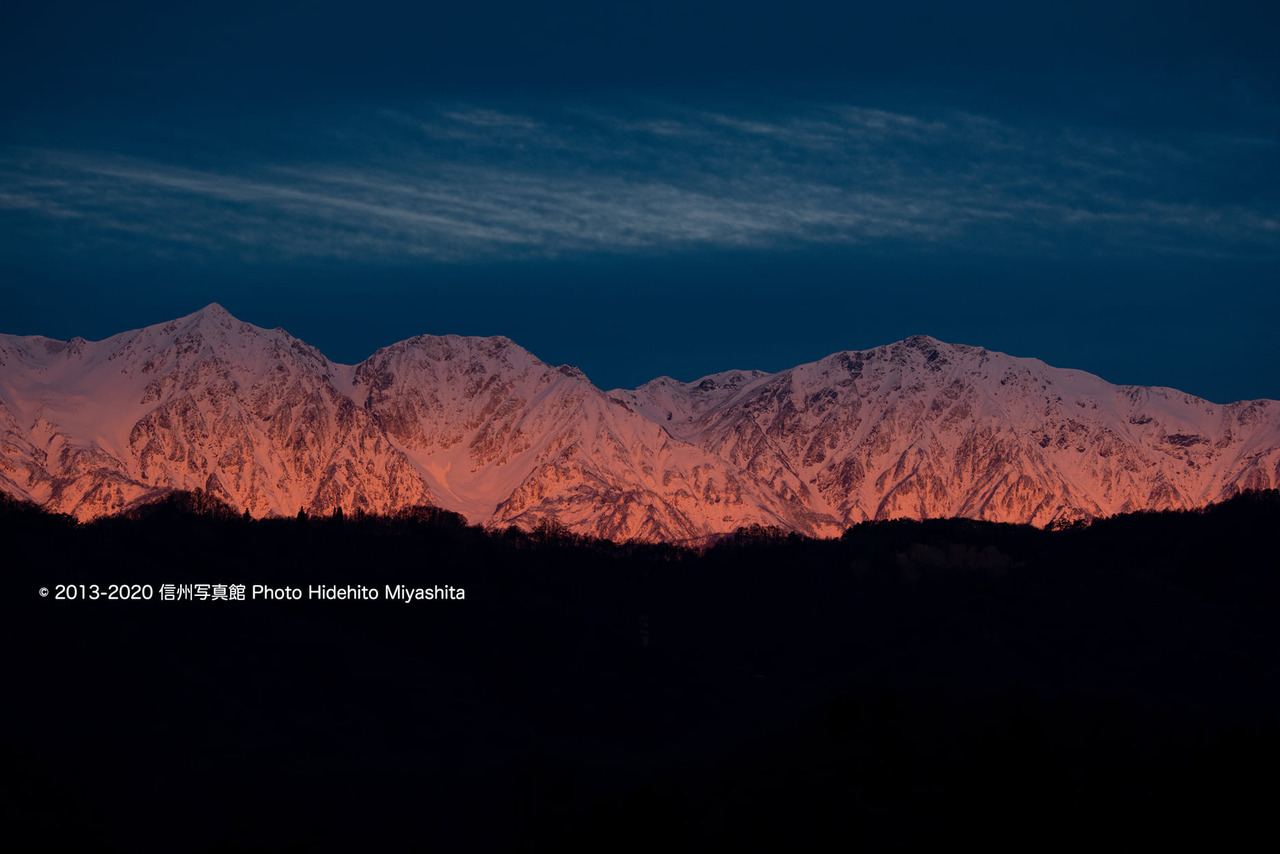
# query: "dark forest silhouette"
[908,685]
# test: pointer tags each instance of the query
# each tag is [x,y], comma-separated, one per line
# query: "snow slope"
[205,401]
[478,425]
[927,429]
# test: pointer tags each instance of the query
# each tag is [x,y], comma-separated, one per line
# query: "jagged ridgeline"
[481,427]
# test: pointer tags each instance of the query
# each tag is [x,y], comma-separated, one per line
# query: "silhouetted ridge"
[1008,682]
[183,503]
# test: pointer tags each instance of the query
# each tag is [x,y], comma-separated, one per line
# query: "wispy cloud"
[459,182]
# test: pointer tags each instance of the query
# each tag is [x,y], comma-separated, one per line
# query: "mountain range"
[917,429]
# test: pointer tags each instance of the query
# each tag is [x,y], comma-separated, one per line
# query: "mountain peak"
[922,341]
[917,428]
[929,346]
[212,311]
[212,318]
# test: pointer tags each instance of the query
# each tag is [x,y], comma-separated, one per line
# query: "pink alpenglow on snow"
[916,429]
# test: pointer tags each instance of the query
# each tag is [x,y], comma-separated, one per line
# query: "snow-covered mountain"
[505,439]
[267,423]
[254,416]
[481,426]
[926,429]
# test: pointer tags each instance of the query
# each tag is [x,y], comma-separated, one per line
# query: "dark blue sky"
[658,188]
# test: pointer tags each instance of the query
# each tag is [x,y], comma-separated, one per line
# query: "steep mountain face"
[506,439]
[251,415]
[268,424]
[925,429]
[481,426]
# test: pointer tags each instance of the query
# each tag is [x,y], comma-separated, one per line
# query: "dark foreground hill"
[910,684]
